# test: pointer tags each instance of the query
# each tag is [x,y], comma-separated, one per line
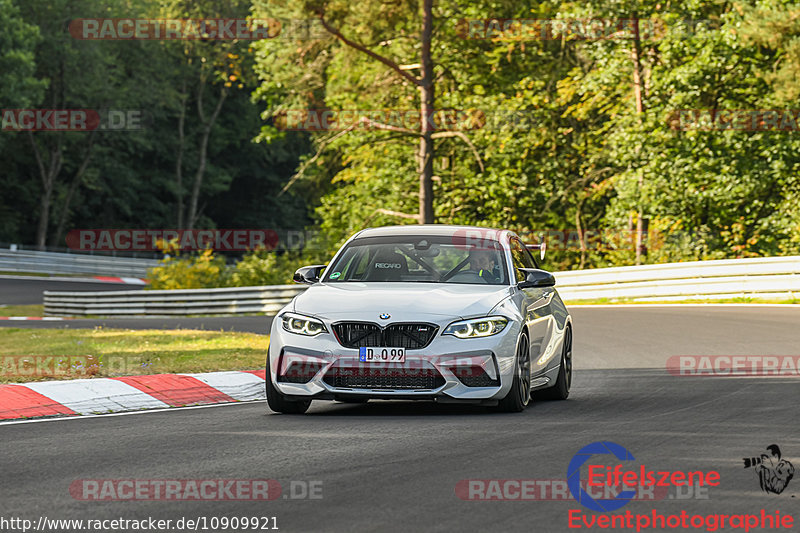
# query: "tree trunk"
[636,53]
[47,176]
[581,235]
[179,157]
[44,217]
[426,87]
[77,179]
[203,157]
[427,99]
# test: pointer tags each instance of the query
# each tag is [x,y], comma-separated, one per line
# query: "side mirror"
[535,277]
[308,274]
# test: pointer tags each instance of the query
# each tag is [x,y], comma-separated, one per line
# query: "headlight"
[302,325]
[476,327]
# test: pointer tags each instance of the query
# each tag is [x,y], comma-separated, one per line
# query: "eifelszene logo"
[773,472]
[611,477]
[574,476]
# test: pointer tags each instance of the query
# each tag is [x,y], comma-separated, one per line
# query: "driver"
[482,263]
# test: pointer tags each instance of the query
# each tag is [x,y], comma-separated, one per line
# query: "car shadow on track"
[399,408]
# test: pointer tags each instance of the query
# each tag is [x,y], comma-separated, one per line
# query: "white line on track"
[57,278]
[147,412]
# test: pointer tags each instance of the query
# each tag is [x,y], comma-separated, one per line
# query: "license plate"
[382,355]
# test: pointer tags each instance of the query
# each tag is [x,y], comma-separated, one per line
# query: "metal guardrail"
[771,277]
[64,263]
[135,254]
[763,277]
[233,300]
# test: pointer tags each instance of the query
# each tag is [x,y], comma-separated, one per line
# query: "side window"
[522,259]
[359,266]
[353,264]
[529,259]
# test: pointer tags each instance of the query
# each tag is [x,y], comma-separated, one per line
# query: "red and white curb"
[47,318]
[87,279]
[129,281]
[128,393]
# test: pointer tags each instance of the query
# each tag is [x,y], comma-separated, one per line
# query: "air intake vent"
[410,335]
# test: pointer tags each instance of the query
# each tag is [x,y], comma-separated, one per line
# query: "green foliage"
[200,271]
[130,180]
[19,87]
[205,270]
[575,161]
[578,160]
[264,268]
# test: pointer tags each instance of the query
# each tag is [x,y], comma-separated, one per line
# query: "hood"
[404,301]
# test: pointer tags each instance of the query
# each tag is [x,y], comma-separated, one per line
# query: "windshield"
[427,259]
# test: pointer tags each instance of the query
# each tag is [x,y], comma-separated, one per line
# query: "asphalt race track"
[27,290]
[22,290]
[395,466]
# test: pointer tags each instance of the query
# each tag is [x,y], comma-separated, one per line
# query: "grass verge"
[22,310]
[44,354]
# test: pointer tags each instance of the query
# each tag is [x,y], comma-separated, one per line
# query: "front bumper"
[448,368]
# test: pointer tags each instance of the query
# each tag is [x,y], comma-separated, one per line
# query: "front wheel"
[560,391]
[519,396]
[279,403]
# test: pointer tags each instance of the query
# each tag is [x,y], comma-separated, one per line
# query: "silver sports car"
[424,312]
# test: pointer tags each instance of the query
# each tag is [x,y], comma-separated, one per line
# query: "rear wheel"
[279,403]
[560,391]
[519,396]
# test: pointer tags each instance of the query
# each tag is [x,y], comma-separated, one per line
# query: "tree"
[519,174]
[60,64]
[396,20]
[19,88]
[715,193]
[203,66]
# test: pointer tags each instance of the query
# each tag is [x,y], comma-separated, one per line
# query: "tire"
[278,402]
[519,396]
[560,391]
